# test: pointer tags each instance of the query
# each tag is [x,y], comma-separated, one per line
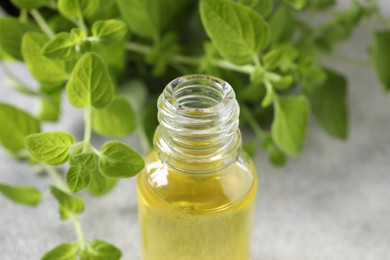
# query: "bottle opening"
[197,93]
[198,117]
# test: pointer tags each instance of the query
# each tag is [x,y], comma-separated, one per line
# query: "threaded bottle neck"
[198,130]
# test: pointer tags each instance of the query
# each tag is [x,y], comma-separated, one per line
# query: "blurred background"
[330,202]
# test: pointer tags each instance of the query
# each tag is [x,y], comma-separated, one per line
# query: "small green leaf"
[109,31]
[77,8]
[282,26]
[23,195]
[118,119]
[64,45]
[50,107]
[101,250]
[328,103]
[149,121]
[90,83]
[284,83]
[290,123]
[69,205]
[380,56]
[236,31]
[82,167]
[99,184]
[272,59]
[263,7]
[51,148]
[277,157]
[250,148]
[15,126]
[12,31]
[29,4]
[297,4]
[65,251]
[118,160]
[43,69]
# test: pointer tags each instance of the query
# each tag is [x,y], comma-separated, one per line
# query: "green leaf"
[263,7]
[15,126]
[101,250]
[12,31]
[77,8]
[380,55]
[117,160]
[118,119]
[65,251]
[43,69]
[65,46]
[78,175]
[109,31]
[282,26]
[149,18]
[23,195]
[50,107]
[99,184]
[69,205]
[290,123]
[328,103]
[237,32]
[149,121]
[90,83]
[277,157]
[272,59]
[29,4]
[51,148]
[296,4]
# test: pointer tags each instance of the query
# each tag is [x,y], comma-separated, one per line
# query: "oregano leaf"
[118,119]
[328,103]
[109,31]
[44,70]
[77,8]
[64,45]
[297,4]
[117,160]
[263,7]
[12,31]
[380,56]
[68,205]
[237,32]
[65,251]
[290,123]
[29,4]
[82,167]
[16,124]
[90,83]
[101,250]
[51,148]
[21,194]
[99,184]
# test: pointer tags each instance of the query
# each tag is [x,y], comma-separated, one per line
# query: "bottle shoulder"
[160,184]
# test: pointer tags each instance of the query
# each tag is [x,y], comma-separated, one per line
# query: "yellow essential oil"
[197,191]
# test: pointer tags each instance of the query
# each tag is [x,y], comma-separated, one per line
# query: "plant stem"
[54,175]
[75,219]
[259,132]
[79,231]
[191,61]
[87,128]
[42,23]
[81,24]
[349,60]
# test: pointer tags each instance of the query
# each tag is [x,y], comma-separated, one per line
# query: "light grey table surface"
[332,202]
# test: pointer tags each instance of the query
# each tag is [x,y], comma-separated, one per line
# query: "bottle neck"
[198,131]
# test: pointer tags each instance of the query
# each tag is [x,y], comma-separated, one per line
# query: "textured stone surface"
[332,202]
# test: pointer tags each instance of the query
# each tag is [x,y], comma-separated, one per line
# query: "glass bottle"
[197,190]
